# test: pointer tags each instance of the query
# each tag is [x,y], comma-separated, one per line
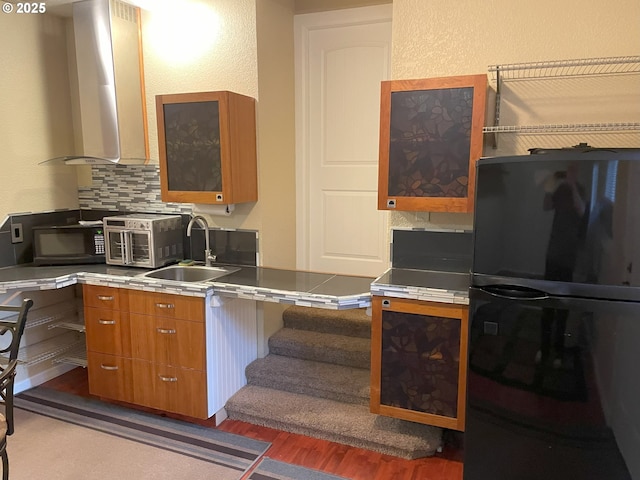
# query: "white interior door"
[341,58]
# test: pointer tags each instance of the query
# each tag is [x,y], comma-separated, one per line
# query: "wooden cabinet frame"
[238,157]
[419,194]
[433,309]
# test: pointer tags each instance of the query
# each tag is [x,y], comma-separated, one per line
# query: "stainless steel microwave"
[68,244]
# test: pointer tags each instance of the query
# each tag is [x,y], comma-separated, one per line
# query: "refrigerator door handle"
[515,292]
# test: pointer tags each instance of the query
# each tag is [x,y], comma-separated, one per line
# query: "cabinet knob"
[108,367]
[168,379]
[105,298]
[106,322]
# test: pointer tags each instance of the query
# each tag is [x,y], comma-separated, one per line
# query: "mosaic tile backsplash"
[134,188]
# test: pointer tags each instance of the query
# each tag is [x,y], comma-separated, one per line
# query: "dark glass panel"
[192,136]
[430,138]
[420,362]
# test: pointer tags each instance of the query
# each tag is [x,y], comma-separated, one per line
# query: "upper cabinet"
[207,147]
[430,139]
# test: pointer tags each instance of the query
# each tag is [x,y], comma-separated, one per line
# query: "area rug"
[181,445]
[269,469]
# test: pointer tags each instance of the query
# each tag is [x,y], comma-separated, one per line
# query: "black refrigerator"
[554,341]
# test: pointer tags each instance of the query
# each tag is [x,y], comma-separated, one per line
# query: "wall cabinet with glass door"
[207,148]
[430,139]
[418,361]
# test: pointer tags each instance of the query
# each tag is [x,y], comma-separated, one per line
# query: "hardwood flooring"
[334,458]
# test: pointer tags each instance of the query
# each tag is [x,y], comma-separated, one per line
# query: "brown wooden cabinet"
[430,139]
[207,147]
[147,348]
[418,361]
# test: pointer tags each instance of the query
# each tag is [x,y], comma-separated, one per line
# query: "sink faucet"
[200,220]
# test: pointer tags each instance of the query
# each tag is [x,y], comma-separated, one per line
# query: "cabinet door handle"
[105,298]
[108,367]
[168,379]
[166,331]
[106,322]
[165,305]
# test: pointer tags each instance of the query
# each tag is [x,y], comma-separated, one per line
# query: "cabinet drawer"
[107,331]
[172,389]
[110,377]
[168,341]
[167,305]
[104,297]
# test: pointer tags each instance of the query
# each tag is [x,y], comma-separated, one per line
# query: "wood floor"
[334,458]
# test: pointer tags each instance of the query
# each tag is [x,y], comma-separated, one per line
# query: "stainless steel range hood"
[110,85]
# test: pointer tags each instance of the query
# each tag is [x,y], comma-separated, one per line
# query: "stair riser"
[320,354]
[270,382]
[334,326]
[354,442]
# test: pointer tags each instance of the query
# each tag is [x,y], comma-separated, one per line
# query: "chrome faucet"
[200,220]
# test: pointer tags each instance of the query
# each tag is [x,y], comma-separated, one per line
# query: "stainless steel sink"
[180,273]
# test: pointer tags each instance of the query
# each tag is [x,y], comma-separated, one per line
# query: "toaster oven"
[143,240]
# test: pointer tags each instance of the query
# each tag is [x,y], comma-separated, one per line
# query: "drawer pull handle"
[105,298]
[168,379]
[106,322]
[108,367]
[165,305]
[166,331]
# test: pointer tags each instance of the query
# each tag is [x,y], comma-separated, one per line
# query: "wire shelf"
[566,68]
[77,326]
[76,356]
[565,128]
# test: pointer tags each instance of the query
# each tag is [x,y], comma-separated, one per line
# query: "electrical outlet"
[16,233]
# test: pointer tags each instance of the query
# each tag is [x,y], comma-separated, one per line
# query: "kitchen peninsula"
[136,326]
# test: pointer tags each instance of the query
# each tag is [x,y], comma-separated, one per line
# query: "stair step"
[318,379]
[352,323]
[322,347]
[333,421]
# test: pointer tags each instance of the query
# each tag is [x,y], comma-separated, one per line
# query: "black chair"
[14,326]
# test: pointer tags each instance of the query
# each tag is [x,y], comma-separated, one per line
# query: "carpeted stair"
[315,381]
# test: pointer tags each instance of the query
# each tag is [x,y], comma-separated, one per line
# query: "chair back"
[13,325]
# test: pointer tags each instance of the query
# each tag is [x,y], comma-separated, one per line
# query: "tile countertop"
[311,289]
[429,285]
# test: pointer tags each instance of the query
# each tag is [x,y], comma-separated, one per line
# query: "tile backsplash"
[133,188]
[441,250]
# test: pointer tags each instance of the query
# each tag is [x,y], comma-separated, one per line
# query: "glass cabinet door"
[418,361]
[192,138]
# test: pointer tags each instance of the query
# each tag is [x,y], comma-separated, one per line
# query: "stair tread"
[327,380]
[335,421]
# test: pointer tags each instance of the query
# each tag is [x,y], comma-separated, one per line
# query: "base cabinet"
[172,389]
[147,348]
[110,376]
[418,361]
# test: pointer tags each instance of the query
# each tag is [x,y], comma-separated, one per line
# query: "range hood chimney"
[110,84]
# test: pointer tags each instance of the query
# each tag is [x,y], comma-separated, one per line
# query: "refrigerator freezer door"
[568,223]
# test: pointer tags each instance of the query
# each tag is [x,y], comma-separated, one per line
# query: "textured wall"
[36,115]
[440,38]
[276,133]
